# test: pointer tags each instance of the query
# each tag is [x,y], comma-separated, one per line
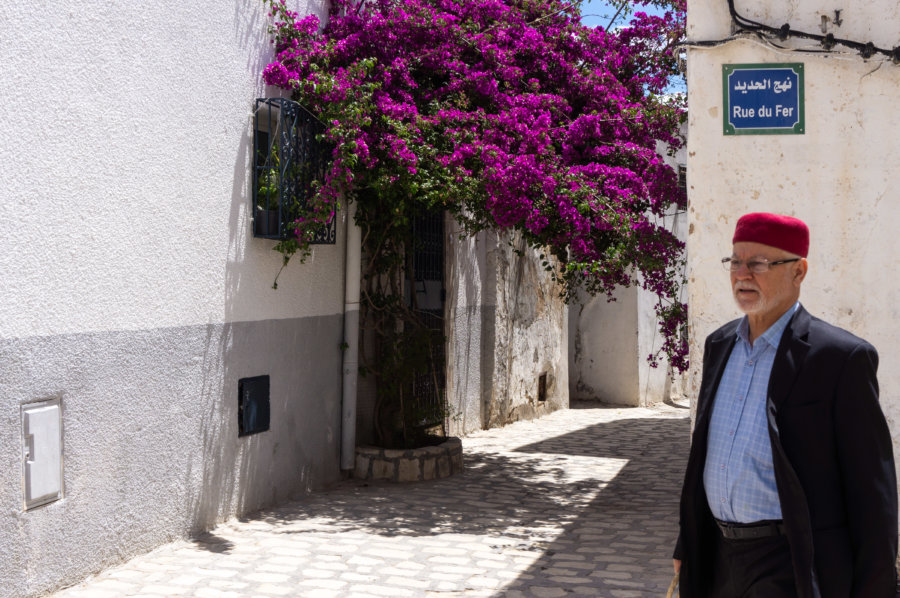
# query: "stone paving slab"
[582,502]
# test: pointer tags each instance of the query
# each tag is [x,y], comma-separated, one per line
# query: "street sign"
[763,99]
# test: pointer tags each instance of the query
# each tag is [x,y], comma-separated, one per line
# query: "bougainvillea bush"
[509,114]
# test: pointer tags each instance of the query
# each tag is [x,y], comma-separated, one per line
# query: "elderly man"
[790,488]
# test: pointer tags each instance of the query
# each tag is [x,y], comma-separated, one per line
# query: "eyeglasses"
[759,266]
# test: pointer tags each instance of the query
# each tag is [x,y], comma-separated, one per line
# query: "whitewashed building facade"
[834,168]
[135,299]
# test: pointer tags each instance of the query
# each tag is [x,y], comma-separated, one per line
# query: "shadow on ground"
[212,543]
[622,540]
[595,508]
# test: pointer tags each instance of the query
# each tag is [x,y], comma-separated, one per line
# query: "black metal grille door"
[429,389]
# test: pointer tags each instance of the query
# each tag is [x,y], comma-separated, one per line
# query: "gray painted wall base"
[150,438]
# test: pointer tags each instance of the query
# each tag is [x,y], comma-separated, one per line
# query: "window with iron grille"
[682,176]
[287,158]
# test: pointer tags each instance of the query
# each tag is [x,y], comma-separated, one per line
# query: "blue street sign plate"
[763,99]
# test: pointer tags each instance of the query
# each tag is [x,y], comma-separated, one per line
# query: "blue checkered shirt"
[739,477]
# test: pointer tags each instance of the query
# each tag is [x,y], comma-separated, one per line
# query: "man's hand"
[677,565]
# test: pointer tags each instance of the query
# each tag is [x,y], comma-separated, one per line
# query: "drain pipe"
[350,368]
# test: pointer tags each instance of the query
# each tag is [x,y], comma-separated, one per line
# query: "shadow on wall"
[470,308]
[218,476]
[229,475]
[234,475]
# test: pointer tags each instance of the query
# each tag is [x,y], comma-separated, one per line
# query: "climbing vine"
[508,114]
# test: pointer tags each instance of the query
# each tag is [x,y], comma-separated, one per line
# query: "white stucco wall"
[124,140]
[838,176]
[610,342]
[604,358]
[507,327]
[133,290]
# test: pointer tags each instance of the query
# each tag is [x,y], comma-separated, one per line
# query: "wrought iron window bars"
[287,158]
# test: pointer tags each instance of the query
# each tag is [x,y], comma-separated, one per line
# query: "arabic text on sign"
[763,84]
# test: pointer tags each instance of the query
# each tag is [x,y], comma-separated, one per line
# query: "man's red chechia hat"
[784,232]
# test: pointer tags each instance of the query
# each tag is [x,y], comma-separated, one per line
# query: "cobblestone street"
[580,503]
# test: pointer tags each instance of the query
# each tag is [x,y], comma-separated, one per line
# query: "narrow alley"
[580,503]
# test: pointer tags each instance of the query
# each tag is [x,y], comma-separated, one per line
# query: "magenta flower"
[508,114]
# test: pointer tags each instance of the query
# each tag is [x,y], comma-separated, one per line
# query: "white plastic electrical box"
[42,452]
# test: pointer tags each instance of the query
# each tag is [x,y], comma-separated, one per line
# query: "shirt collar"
[773,335]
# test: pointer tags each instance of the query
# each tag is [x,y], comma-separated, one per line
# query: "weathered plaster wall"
[874,21]
[133,290]
[838,176]
[530,336]
[509,327]
[470,309]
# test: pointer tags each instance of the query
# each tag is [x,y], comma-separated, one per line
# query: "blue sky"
[598,13]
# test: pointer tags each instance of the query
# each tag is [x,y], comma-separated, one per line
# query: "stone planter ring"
[410,465]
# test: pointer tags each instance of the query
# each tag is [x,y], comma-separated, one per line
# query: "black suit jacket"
[833,459]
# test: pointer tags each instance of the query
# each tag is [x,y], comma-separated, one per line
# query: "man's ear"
[800,269]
